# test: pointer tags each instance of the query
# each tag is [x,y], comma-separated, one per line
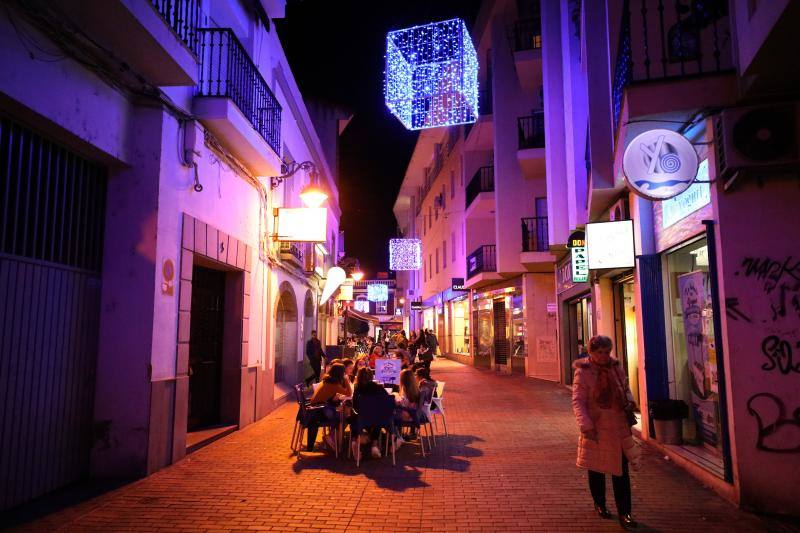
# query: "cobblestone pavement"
[508,465]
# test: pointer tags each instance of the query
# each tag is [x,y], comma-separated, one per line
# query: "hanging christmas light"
[377,292]
[405,254]
[432,75]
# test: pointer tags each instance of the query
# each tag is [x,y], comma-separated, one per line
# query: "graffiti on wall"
[777,433]
[778,279]
[779,355]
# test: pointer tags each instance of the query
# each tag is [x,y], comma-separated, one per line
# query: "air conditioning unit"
[619,210]
[757,138]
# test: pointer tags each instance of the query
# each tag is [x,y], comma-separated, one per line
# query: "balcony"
[480,192]
[526,34]
[671,42]
[530,139]
[526,42]
[482,266]
[234,101]
[535,255]
[157,38]
[291,253]
[480,135]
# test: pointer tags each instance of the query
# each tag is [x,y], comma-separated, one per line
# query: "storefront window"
[517,324]
[459,326]
[694,357]
[484,334]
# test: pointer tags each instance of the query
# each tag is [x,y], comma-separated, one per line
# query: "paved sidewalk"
[508,465]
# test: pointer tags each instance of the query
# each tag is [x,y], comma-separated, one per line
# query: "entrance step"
[203,437]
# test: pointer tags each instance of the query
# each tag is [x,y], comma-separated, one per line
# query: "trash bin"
[668,418]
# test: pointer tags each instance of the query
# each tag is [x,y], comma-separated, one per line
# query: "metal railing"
[531,131]
[661,40]
[482,181]
[485,101]
[226,70]
[484,259]
[534,234]
[183,18]
[292,249]
[526,34]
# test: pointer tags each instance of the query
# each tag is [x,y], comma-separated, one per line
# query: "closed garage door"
[52,207]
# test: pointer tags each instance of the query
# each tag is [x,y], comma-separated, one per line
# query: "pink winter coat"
[611,424]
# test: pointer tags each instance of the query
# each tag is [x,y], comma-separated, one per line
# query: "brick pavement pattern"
[508,465]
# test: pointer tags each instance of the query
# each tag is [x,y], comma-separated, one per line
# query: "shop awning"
[352,313]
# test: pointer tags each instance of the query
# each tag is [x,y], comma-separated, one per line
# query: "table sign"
[388,370]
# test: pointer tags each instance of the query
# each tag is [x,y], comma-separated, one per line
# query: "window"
[444,254]
[437,260]
[424,272]
[430,266]
[430,217]
[462,171]
[361,304]
[452,184]
[444,197]
[380,307]
[453,246]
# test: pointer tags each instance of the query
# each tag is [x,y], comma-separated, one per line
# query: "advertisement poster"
[700,352]
[388,370]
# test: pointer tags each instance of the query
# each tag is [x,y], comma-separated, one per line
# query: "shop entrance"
[580,330]
[627,348]
[501,347]
[286,339]
[206,347]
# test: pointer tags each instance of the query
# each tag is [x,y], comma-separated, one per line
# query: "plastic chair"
[304,413]
[437,407]
[376,413]
[419,419]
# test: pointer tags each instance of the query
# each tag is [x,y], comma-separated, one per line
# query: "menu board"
[388,370]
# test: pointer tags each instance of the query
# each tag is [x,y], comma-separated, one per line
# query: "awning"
[352,313]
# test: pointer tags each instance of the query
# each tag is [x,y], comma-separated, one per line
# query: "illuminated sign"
[302,224]
[580,265]
[361,305]
[416,306]
[345,293]
[659,164]
[610,244]
[457,284]
[377,292]
[696,196]
[576,239]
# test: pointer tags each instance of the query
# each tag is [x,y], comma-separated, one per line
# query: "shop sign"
[416,306]
[610,244]
[301,224]
[689,201]
[345,293]
[564,277]
[659,164]
[577,239]
[580,265]
[458,285]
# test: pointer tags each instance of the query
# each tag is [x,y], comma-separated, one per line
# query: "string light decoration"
[432,75]
[405,254]
[377,292]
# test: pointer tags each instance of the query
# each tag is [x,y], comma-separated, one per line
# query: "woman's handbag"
[627,405]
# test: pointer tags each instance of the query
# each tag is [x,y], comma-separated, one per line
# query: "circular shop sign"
[659,164]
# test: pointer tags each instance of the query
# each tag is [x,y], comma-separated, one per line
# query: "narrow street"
[508,465]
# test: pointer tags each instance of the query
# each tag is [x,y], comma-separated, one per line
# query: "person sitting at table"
[424,381]
[334,384]
[375,353]
[350,369]
[407,401]
[403,353]
[366,390]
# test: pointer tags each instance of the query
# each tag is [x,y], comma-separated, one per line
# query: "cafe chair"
[379,414]
[437,406]
[304,414]
[419,419]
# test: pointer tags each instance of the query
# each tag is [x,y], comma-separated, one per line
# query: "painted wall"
[541,326]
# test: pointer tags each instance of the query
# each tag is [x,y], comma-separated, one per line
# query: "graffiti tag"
[779,279]
[777,433]
[779,355]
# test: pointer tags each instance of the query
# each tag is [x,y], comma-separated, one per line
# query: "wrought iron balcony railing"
[526,34]
[531,131]
[482,181]
[291,249]
[661,40]
[534,234]
[226,70]
[183,17]
[484,259]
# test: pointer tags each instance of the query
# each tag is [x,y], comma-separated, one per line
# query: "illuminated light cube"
[377,292]
[405,254]
[432,75]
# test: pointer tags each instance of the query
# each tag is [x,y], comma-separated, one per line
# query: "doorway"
[286,339]
[627,348]
[580,330]
[206,348]
[501,348]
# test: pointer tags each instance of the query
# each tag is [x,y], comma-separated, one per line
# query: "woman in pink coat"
[600,397]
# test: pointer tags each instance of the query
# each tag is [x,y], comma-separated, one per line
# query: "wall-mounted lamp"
[312,195]
[357,275]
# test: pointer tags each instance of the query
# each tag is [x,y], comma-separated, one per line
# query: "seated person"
[375,353]
[407,401]
[350,369]
[362,361]
[366,390]
[424,381]
[403,353]
[334,385]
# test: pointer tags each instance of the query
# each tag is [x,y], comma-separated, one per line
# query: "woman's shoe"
[627,522]
[603,512]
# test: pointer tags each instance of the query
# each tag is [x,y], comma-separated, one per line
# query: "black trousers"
[316,366]
[317,418]
[621,484]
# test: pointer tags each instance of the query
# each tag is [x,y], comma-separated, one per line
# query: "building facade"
[700,308]
[155,308]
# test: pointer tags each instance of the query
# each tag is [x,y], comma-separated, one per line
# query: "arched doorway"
[309,326]
[286,337]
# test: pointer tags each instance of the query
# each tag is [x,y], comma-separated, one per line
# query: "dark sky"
[335,49]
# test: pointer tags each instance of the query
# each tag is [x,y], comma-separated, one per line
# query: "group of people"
[350,380]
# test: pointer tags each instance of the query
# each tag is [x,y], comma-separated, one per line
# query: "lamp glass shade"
[357,275]
[313,196]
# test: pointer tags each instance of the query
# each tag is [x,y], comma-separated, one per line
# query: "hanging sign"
[301,224]
[576,239]
[659,164]
[416,306]
[457,284]
[610,244]
[580,265]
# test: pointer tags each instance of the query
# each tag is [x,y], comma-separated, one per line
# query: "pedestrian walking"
[424,350]
[315,354]
[603,406]
[433,342]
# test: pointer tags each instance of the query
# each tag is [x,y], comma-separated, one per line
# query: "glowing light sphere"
[377,292]
[405,254]
[432,75]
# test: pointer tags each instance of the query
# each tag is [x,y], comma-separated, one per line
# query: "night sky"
[335,49]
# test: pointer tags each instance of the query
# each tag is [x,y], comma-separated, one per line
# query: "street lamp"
[401,301]
[357,275]
[312,195]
